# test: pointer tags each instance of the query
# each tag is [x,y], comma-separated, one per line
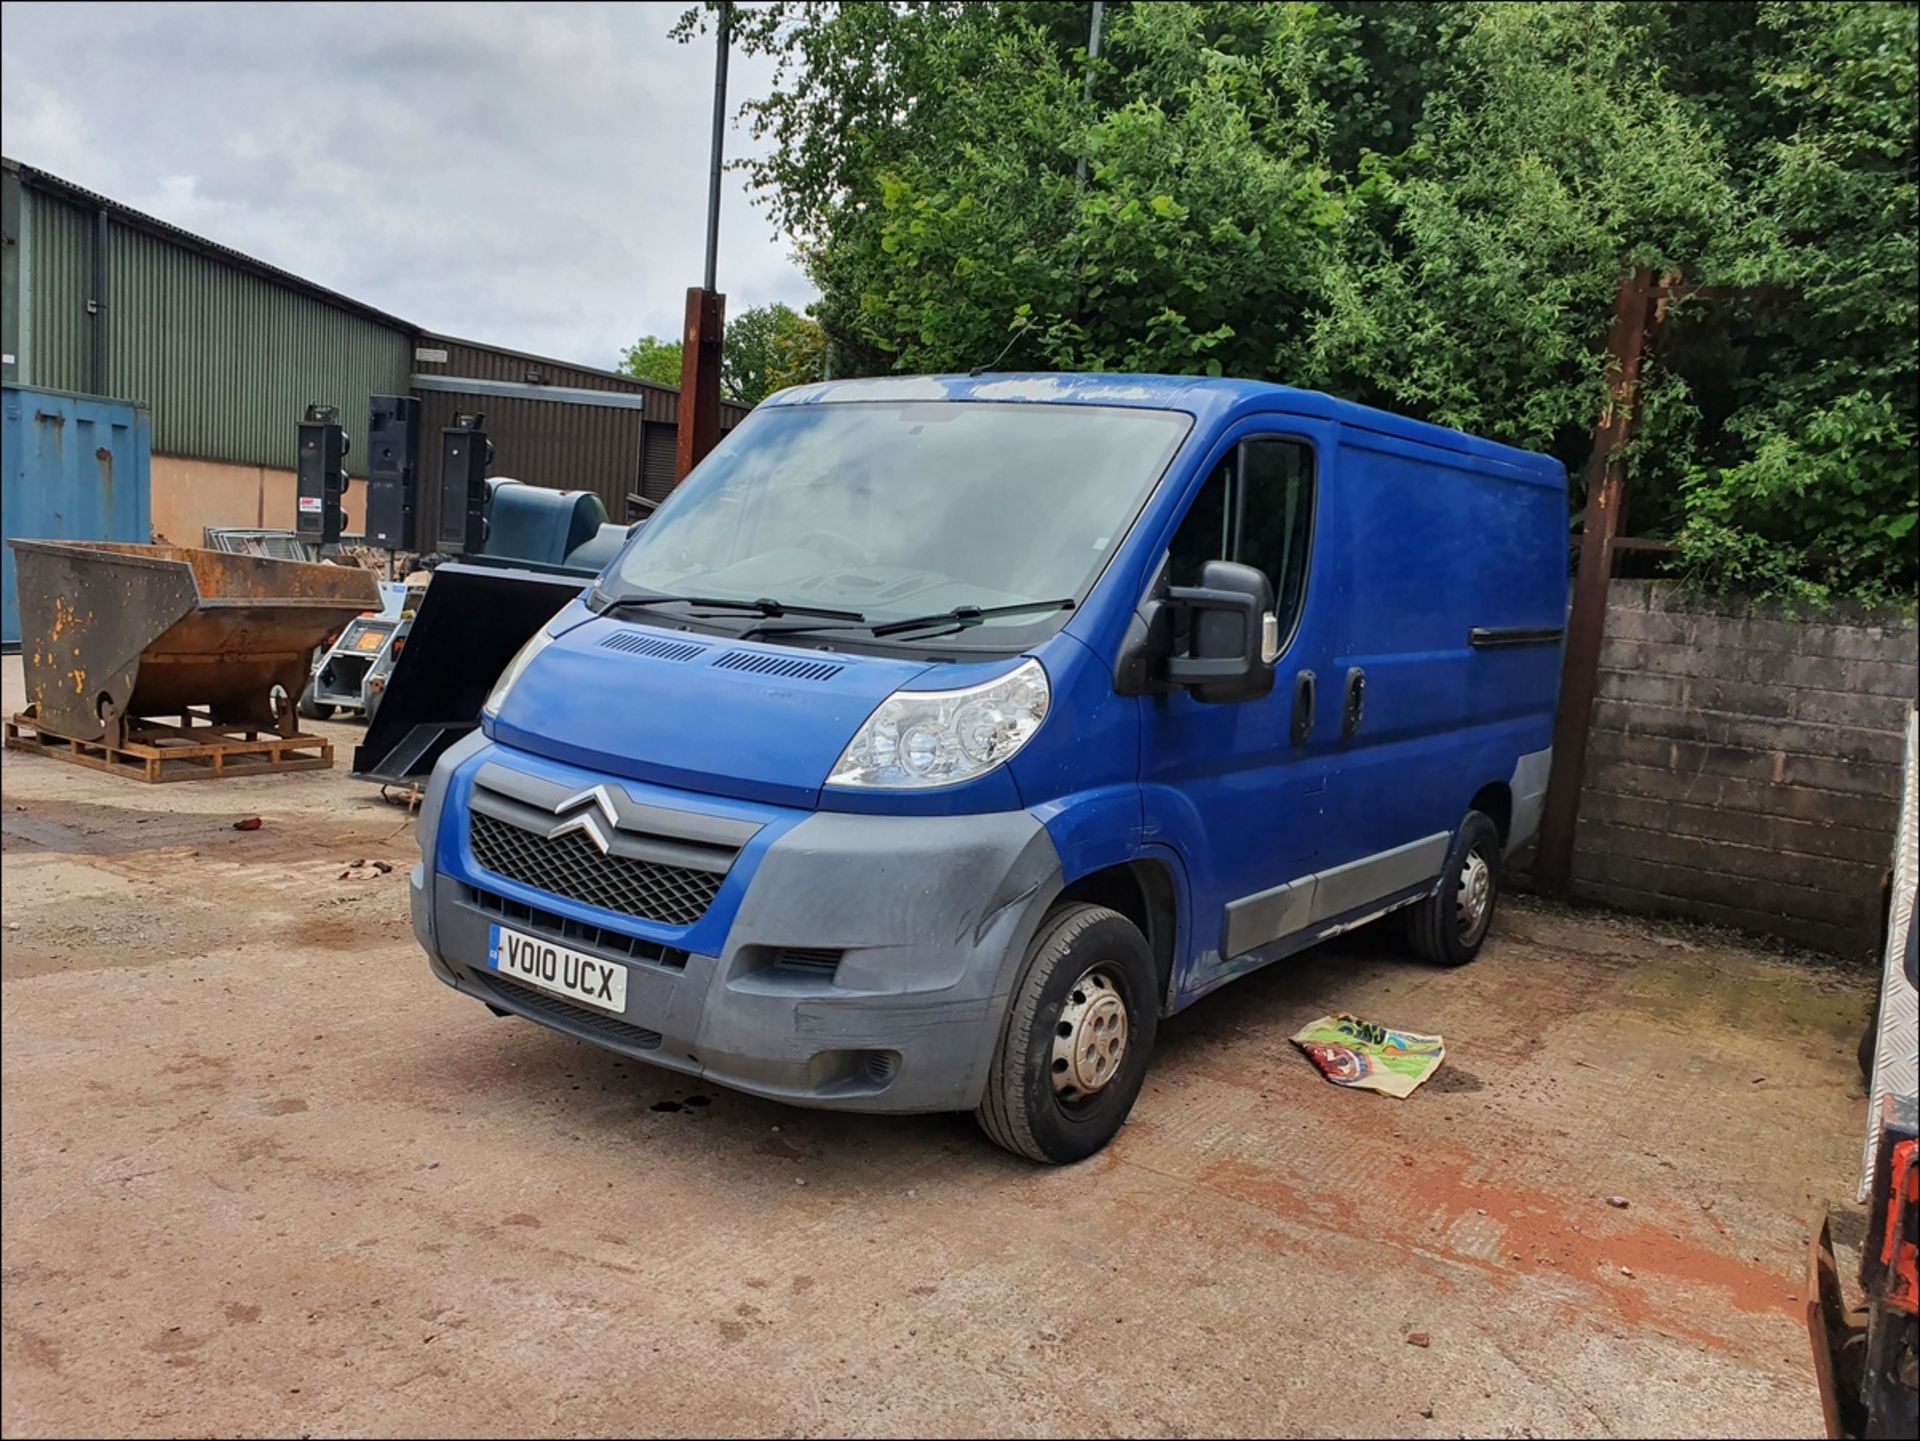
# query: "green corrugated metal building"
[225,351]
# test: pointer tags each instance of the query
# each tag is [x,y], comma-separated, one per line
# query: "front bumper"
[930,917]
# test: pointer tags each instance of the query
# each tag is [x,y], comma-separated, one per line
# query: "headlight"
[523,658]
[922,738]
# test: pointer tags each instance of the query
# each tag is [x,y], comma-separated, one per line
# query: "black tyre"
[1076,1040]
[1449,926]
[311,708]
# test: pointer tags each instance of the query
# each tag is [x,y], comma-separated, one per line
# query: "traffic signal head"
[320,476]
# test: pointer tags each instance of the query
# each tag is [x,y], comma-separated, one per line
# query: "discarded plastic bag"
[1353,1052]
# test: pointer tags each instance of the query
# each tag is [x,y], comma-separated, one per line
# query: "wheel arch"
[1143,891]
[1494,800]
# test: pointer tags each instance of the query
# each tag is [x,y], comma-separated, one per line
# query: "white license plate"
[534,962]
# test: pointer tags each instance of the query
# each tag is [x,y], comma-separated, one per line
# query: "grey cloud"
[529,175]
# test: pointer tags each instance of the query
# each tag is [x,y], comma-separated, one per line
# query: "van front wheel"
[1074,1048]
[1449,926]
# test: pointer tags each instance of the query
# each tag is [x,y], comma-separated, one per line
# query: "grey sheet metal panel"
[1529,787]
[1896,1055]
[444,358]
[467,360]
[1253,921]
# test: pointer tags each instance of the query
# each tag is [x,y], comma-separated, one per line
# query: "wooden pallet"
[194,751]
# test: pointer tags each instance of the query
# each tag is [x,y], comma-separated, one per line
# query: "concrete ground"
[263,1174]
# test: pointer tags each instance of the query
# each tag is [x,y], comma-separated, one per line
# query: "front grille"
[570,865]
[541,1006]
[557,927]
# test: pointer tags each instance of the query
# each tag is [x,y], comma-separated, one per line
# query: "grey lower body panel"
[931,917]
[1303,904]
[1529,787]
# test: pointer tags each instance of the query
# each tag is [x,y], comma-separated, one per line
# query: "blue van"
[940,735]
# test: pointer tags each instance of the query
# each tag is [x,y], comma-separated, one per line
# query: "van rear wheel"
[1074,1048]
[1449,926]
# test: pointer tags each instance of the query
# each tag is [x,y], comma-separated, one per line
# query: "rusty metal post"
[699,380]
[1606,500]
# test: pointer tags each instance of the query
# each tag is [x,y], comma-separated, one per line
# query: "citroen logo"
[596,816]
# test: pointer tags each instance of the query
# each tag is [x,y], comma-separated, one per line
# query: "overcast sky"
[533,176]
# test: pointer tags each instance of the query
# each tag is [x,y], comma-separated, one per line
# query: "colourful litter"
[1353,1052]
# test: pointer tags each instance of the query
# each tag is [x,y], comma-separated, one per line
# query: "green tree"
[768,348]
[650,358]
[1478,280]
[1813,488]
[1428,207]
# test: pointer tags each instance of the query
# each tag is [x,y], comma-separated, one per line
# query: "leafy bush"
[1428,207]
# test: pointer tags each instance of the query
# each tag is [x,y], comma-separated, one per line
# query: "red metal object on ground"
[1865,1357]
[1837,1334]
[1898,1250]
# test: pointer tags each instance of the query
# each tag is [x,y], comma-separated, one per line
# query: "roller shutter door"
[656,473]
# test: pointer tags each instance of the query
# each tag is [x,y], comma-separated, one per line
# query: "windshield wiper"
[771,609]
[962,616]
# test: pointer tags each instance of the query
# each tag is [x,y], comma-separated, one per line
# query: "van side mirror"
[1230,657]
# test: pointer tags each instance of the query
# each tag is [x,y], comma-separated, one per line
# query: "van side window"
[1203,535]
[1276,519]
[1256,508]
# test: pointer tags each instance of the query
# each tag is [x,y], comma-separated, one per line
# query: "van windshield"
[894,510]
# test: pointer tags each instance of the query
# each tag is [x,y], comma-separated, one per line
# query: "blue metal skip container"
[76,467]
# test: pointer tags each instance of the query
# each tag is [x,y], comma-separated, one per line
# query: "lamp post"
[1086,91]
[700,348]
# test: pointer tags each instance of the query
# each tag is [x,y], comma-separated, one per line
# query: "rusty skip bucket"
[110,633]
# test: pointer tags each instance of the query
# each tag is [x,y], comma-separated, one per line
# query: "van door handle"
[1302,706]
[1355,704]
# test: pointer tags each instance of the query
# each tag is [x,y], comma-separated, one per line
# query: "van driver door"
[1241,791]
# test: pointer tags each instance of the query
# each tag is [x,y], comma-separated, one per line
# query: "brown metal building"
[569,427]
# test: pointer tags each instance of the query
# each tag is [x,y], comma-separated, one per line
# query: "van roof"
[1208,400]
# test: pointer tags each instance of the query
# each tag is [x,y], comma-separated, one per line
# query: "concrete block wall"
[1744,767]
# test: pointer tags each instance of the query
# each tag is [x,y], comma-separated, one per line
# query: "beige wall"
[190,495]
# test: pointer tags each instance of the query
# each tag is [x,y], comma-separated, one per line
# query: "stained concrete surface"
[263,1174]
